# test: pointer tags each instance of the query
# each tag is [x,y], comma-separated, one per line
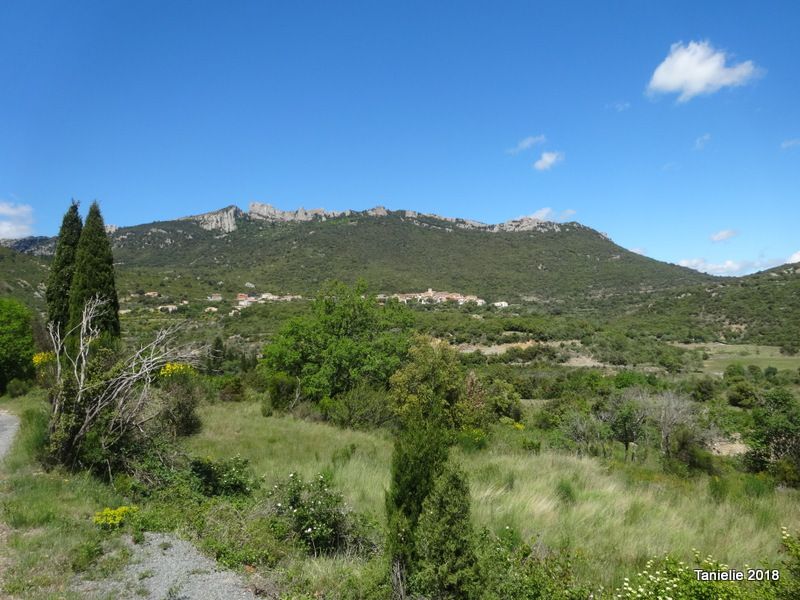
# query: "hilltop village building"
[245,300]
[434,297]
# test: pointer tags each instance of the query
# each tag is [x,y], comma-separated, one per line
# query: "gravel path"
[164,567]
[8,428]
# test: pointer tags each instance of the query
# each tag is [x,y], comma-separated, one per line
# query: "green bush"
[530,445]
[472,439]
[282,390]
[318,516]
[18,387]
[236,537]
[231,389]
[266,406]
[231,477]
[181,396]
[743,395]
[508,568]
[16,342]
[362,407]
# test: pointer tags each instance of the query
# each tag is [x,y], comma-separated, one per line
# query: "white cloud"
[548,160]
[730,267]
[701,142]
[786,144]
[794,258]
[566,214]
[697,68]
[527,143]
[725,234]
[16,220]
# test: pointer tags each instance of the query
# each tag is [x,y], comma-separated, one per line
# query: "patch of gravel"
[164,567]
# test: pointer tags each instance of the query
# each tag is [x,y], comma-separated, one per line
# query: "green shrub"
[472,439]
[282,390]
[231,477]
[266,406]
[18,387]
[16,342]
[510,569]
[565,491]
[718,489]
[743,395]
[181,396]
[531,445]
[231,389]
[361,407]
[318,516]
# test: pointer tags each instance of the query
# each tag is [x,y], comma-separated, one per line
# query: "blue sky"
[666,126]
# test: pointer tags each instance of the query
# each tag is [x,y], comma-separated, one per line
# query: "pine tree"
[94,274]
[216,356]
[63,267]
[446,564]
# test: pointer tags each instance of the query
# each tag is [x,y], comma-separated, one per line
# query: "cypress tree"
[420,451]
[63,267]
[94,274]
[446,567]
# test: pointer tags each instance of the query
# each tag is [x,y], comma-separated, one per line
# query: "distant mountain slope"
[295,251]
[22,277]
[763,308]
[393,252]
[561,266]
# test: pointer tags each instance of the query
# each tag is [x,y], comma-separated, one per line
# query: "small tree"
[420,450]
[16,342]
[348,338]
[63,267]
[216,356]
[94,276]
[628,421]
[102,404]
[585,430]
[431,382]
[446,566]
[670,411]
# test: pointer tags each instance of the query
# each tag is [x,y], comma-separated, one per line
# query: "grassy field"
[722,355]
[612,516]
[47,536]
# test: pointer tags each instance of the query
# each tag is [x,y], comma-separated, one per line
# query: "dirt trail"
[8,428]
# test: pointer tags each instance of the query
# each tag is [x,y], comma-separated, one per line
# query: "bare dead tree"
[122,398]
[670,411]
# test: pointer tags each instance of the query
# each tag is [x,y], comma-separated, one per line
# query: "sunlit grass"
[48,514]
[613,518]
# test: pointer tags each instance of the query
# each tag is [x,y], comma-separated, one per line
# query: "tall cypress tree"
[60,280]
[94,274]
[420,451]
[445,547]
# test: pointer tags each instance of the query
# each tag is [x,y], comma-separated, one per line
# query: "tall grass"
[612,519]
[50,534]
[279,445]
